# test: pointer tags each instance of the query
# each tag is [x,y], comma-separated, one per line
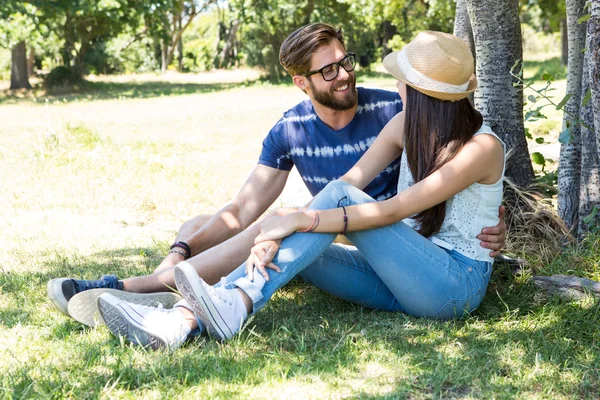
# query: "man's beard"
[327,97]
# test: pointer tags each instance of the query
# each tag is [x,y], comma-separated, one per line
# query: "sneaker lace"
[221,293]
[104,282]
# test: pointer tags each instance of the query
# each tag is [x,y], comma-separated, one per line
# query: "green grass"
[94,187]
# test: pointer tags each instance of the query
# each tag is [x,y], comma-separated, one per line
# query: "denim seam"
[457,299]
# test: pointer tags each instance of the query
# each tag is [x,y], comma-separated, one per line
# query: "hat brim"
[390,64]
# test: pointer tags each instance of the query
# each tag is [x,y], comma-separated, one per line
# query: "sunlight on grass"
[98,186]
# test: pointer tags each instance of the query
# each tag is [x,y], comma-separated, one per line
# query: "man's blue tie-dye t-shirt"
[322,154]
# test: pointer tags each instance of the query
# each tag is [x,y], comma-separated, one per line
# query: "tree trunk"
[569,169]
[589,191]
[564,41]
[589,195]
[593,46]
[225,53]
[18,67]
[31,62]
[462,24]
[497,97]
[388,30]
[180,52]
[79,62]
[163,56]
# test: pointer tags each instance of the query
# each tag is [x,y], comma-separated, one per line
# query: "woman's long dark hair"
[435,131]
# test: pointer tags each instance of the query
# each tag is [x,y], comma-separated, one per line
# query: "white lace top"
[467,212]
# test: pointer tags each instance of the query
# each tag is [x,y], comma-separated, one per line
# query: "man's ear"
[300,82]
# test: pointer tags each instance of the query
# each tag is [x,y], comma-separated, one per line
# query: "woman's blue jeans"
[391,268]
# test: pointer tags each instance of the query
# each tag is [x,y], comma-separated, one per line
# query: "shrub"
[61,76]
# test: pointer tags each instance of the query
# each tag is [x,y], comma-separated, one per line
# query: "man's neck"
[333,118]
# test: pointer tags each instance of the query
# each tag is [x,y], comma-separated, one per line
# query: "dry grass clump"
[534,228]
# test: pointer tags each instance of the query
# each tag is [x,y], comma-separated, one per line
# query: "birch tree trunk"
[593,46]
[498,45]
[569,169]
[462,24]
[589,194]
[564,41]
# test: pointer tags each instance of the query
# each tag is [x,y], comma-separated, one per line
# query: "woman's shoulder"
[487,138]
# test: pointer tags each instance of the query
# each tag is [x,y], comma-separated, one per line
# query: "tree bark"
[462,24]
[569,170]
[593,47]
[564,41]
[589,194]
[498,45]
[18,67]
[31,62]
[589,191]
[180,52]
[163,56]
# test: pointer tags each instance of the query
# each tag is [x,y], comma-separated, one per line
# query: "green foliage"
[543,15]
[200,43]
[591,220]
[536,41]
[368,25]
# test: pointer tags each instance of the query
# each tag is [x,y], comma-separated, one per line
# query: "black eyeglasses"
[331,71]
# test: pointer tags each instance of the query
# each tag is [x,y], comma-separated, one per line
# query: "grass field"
[99,182]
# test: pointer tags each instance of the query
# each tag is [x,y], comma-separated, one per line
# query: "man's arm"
[260,190]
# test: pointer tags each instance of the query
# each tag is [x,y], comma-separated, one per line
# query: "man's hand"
[261,257]
[274,228]
[493,238]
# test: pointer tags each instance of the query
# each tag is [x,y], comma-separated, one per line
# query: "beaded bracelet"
[184,246]
[181,253]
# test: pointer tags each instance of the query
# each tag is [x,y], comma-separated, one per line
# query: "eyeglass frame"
[339,64]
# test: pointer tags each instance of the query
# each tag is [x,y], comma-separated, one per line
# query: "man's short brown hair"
[297,49]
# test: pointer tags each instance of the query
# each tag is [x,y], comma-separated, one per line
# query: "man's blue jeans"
[391,268]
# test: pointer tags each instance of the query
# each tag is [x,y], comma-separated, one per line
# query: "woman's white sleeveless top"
[467,212]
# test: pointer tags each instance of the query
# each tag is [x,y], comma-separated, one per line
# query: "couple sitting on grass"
[411,181]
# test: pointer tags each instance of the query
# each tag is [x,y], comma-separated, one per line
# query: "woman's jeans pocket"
[457,306]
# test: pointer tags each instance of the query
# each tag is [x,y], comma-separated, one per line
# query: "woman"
[416,252]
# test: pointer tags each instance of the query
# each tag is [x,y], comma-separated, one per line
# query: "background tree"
[462,24]
[167,20]
[569,170]
[549,16]
[17,28]
[84,24]
[499,95]
[589,194]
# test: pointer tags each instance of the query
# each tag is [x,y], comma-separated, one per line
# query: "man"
[323,136]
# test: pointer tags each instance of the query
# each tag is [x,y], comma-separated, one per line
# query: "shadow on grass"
[90,91]
[304,333]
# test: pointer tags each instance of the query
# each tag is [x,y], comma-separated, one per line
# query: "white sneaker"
[83,307]
[142,325]
[221,310]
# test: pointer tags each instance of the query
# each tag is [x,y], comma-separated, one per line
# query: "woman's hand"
[274,228]
[261,257]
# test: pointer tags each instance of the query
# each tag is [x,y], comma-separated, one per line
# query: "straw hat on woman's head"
[437,64]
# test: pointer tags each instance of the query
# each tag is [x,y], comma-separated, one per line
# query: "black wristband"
[345,222]
[184,246]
